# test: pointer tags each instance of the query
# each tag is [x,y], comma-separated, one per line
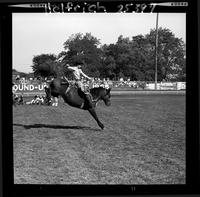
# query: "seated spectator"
[21,99]
[106,85]
[34,101]
[38,100]
[15,97]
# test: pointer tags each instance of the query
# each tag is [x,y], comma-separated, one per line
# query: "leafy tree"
[116,58]
[143,58]
[16,73]
[170,53]
[30,75]
[108,62]
[136,58]
[45,65]
[109,67]
[83,49]
[128,58]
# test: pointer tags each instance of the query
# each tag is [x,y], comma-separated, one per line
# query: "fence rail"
[37,88]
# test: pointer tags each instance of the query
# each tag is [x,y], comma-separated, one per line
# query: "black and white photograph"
[99,98]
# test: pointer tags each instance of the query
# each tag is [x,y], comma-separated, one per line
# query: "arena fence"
[127,87]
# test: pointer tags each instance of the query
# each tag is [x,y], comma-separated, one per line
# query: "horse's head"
[106,97]
[101,93]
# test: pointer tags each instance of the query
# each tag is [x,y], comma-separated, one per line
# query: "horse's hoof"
[102,126]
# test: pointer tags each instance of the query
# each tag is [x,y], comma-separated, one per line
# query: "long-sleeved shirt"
[77,73]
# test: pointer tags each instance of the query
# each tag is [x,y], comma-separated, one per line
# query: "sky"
[41,33]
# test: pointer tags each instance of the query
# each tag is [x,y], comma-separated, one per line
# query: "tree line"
[127,58]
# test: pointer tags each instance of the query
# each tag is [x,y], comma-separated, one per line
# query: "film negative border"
[103,7]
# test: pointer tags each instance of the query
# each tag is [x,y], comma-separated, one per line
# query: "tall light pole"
[156,53]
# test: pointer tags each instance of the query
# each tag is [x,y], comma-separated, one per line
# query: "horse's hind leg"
[94,115]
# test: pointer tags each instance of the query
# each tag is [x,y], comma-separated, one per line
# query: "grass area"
[143,142]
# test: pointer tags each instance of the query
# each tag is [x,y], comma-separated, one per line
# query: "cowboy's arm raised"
[85,75]
[71,68]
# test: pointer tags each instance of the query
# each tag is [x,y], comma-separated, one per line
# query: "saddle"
[80,92]
[73,84]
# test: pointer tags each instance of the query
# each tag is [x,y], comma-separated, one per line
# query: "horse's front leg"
[94,115]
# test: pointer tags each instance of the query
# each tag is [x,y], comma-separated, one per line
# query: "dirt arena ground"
[143,142]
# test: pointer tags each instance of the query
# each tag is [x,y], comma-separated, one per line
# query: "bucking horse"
[74,97]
